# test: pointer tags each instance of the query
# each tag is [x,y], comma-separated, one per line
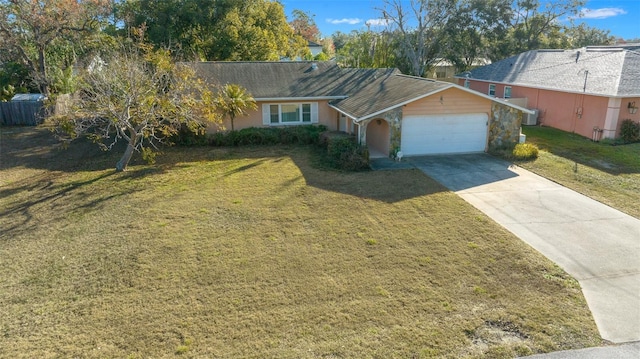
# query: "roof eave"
[366,117]
[547,88]
[342,112]
[302,98]
[403,103]
[496,99]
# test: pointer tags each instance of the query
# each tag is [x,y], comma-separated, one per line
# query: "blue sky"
[620,17]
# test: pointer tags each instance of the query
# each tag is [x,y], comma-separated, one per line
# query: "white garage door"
[434,134]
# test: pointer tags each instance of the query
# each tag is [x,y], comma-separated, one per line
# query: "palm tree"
[234,100]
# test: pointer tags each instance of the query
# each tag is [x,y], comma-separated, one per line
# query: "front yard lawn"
[257,252]
[606,173]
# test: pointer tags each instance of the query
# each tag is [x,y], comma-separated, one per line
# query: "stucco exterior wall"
[378,131]
[448,102]
[326,116]
[571,112]
[624,111]
[383,137]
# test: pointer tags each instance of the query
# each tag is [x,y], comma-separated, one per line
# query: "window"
[306,112]
[492,90]
[274,114]
[290,113]
[467,83]
[507,92]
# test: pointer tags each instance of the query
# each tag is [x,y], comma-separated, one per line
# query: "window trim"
[311,112]
[492,90]
[505,91]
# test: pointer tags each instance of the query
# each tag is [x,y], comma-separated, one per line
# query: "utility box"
[531,119]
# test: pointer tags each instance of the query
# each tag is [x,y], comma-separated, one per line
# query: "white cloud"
[377,22]
[352,21]
[601,13]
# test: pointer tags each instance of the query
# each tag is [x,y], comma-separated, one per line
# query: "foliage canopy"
[140,96]
[220,30]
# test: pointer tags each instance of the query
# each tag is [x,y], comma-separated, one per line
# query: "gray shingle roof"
[269,80]
[357,92]
[608,71]
[386,92]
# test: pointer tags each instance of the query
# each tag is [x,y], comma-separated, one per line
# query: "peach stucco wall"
[326,116]
[454,101]
[378,135]
[571,112]
[624,110]
[384,136]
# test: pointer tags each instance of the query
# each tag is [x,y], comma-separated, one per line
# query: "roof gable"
[358,93]
[601,71]
[386,93]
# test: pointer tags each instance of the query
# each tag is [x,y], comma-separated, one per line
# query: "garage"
[439,134]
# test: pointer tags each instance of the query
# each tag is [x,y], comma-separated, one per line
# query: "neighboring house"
[314,48]
[387,111]
[445,70]
[588,91]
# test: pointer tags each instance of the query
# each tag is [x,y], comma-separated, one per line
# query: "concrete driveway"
[596,244]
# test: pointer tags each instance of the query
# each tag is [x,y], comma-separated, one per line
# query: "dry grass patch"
[259,253]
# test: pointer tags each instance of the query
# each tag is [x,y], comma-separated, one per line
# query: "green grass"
[258,252]
[606,173]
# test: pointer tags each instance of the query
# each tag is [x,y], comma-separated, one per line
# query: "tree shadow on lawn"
[21,217]
[386,186]
[37,148]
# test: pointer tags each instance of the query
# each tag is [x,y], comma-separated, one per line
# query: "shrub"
[525,151]
[187,136]
[345,153]
[612,141]
[252,136]
[630,131]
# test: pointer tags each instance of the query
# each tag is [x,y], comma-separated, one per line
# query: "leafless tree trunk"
[421,27]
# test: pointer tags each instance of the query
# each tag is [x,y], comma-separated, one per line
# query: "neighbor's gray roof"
[611,71]
[359,93]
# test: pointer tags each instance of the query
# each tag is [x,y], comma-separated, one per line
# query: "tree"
[497,29]
[219,30]
[584,35]
[532,21]
[234,100]
[328,48]
[14,77]
[511,27]
[365,49]
[30,29]
[256,31]
[421,29]
[304,25]
[140,96]
[340,39]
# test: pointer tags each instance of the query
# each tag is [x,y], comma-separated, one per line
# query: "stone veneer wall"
[394,118]
[504,128]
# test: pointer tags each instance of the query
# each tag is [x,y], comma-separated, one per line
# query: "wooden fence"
[14,113]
